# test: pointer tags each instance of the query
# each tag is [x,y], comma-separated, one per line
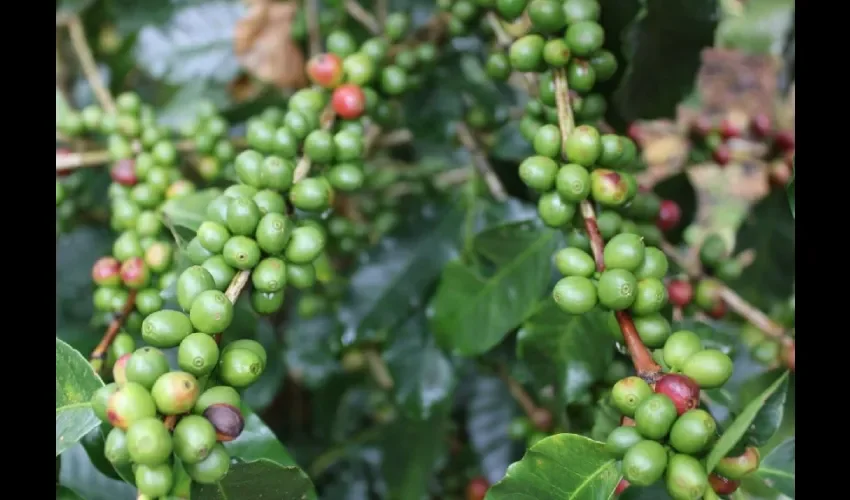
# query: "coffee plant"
[349,249]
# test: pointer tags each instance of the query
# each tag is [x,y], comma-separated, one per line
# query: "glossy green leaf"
[411,449]
[82,477]
[503,242]
[311,349]
[189,211]
[424,377]
[473,313]
[396,276]
[510,145]
[778,468]
[560,467]
[571,351]
[196,43]
[655,491]
[768,230]
[260,479]
[490,409]
[750,415]
[76,383]
[663,49]
[258,442]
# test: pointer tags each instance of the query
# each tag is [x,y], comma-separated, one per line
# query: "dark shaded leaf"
[395,276]
[769,231]
[571,351]
[791,190]
[63,493]
[66,7]
[258,442]
[76,383]
[503,242]
[260,479]
[679,189]
[189,211]
[770,415]
[510,145]
[196,43]
[473,313]
[411,449]
[80,475]
[490,409]
[311,347]
[655,491]
[664,56]
[743,423]
[778,468]
[560,467]
[424,377]
[616,18]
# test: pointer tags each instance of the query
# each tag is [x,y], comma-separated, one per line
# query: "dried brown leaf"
[264,47]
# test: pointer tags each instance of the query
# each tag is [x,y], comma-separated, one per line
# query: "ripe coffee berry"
[680,292]
[721,485]
[722,155]
[134,273]
[669,215]
[124,172]
[785,140]
[761,125]
[621,487]
[349,101]
[730,128]
[718,310]
[106,272]
[683,391]
[477,488]
[325,70]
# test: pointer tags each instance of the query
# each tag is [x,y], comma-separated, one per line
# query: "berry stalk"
[732,299]
[642,360]
[362,16]
[494,185]
[99,353]
[81,48]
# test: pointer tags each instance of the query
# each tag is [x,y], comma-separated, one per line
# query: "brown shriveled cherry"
[124,172]
[325,70]
[621,487]
[477,488]
[226,420]
[785,140]
[669,215]
[718,311]
[680,292]
[106,271]
[722,155]
[761,125]
[683,391]
[134,272]
[349,101]
[721,485]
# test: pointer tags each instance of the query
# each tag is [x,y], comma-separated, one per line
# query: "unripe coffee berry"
[683,391]
[227,421]
[738,467]
[348,101]
[129,404]
[119,370]
[686,478]
[146,365]
[325,70]
[106,272]
[194,438]
[211,469]
[655,416]
[149,442]
[175,393]
[644,463]
[629,393]
[709,368]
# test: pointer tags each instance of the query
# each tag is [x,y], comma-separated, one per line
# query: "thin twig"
[314,33]
[540,417]
[302,170]
[505,40]
[381,9]
[642,360]
[494,185]
[378,369]
[81,47]
[395,138]
[362,16]
[99,353]
[71,161]
[732,299]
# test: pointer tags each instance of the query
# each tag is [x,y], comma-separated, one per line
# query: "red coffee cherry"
[721,485]
[135,273]
[621,487]
[477,488]
[683,391]
[325,70]
[680,292]
[669,215]
[722,155]
[106,272]
[785,140]
[124,172]
[761,125]
[718,311]
[349,101]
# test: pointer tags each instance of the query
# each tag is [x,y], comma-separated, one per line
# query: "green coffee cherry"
[211,469]
[154,481]
[115,448]
[617,289]
[680,346]
[629,393]
[100,399]
[128,405]
[655,416]
[212,312]
[575,294]
[198,354]
[221,394]
[574,262]
[145,366]
[166,328]
[624,251]
[194,438]
[621,439]
[686,478]
[644,463]
[709,368]
[175,393]
[693,431]
[149,442]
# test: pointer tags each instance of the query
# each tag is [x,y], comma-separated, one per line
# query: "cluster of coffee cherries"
[147,398]
[664,433]
[145,174]
[208,131]
[718,134]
